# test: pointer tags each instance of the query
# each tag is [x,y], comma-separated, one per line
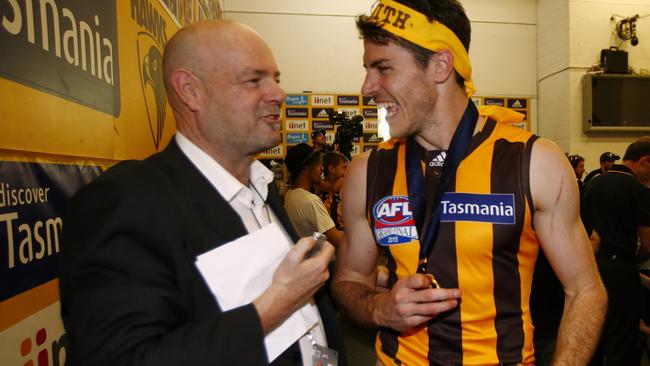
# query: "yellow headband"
[413,26]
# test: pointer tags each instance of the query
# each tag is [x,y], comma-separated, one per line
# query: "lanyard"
[415,180]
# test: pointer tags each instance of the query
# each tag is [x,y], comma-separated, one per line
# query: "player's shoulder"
[549,172]
[547,151]
[510,132]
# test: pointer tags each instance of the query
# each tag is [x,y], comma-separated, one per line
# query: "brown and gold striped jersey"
[486,247]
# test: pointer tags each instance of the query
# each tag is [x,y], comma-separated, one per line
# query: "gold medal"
[422,268]
[432,281]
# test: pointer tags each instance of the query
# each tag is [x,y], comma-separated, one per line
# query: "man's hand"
[294,282]
[411,302]
[303,276]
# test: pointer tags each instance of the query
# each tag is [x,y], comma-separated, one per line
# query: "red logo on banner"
[43,355]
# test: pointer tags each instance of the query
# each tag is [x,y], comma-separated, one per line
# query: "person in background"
[644,274]
[131,293]
[319,141]
[456,228]
[578,165]
[617,206]
[607,160]
[306,210]
[334,165]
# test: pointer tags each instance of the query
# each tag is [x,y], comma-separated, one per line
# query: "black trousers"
[618,343]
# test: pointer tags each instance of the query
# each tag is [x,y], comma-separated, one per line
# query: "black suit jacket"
[130,291]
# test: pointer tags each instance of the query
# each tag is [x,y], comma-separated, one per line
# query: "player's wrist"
[375,308]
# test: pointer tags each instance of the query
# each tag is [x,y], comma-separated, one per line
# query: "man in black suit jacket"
[131,293]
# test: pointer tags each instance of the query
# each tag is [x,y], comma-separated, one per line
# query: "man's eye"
[253,82]
[383,69]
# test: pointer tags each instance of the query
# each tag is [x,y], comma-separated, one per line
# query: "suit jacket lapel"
[201,204]
[273,200]
[206,206]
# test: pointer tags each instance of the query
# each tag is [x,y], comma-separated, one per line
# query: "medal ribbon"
[415,180]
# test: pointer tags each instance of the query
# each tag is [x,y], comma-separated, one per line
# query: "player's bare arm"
[566,245]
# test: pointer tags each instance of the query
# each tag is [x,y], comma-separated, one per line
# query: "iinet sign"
[38,340]
[322,100]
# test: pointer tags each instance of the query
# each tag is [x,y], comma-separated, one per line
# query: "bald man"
[131,293]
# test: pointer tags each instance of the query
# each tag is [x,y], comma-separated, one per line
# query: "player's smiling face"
[398,84]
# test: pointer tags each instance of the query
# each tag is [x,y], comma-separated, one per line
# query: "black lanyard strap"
[415,180]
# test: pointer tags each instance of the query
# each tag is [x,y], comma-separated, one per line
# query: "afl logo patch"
[394,223]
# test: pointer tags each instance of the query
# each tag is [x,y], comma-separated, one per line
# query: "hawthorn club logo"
[151,80]
[150,43]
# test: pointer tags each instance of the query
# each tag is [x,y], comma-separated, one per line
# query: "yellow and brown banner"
[80,88]
[84,78]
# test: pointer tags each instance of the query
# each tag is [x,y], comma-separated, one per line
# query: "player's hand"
[411,302]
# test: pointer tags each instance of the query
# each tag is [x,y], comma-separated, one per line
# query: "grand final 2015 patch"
[394,222]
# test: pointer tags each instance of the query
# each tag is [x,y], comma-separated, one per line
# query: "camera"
[349,128]
[626,29]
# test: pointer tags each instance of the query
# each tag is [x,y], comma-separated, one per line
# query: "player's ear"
[442,63]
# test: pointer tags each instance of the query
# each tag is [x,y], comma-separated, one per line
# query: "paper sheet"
[240,271]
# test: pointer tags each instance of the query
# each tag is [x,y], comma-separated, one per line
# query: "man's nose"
[276,94]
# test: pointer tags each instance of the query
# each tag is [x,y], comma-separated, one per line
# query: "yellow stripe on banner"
[42,158]
[474,258]
[27,303]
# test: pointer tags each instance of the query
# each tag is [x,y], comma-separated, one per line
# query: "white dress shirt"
[250,204]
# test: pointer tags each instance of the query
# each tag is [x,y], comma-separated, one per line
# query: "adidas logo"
[322,114]
[517,104]
[439,160]
[369,101]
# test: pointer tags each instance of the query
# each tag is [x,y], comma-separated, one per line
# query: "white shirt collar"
[224,182]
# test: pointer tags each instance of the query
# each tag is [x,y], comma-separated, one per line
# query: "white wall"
[590,31]
[317,46]
[570,35]
[552,69]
